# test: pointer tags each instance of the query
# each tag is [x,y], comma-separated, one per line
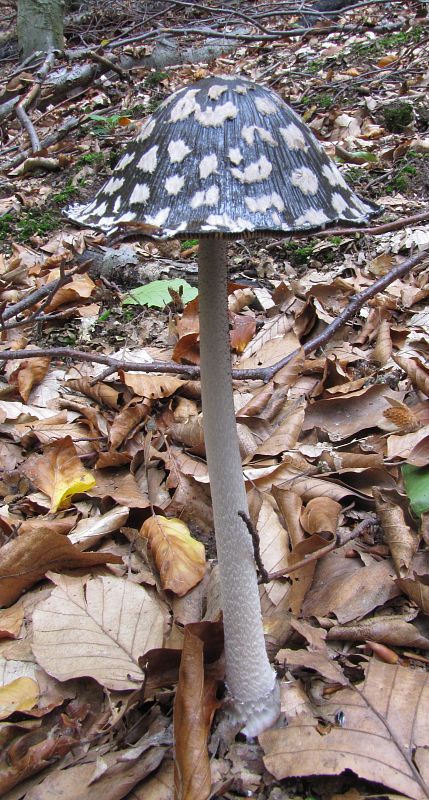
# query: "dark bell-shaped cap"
[224,157]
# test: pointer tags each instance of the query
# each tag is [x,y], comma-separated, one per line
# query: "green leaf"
[156,295]
[416,480]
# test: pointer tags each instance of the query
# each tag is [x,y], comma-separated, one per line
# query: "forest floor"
[108,580]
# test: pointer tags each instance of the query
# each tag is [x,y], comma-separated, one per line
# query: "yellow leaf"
[179,558]
[59,473]
[21,694]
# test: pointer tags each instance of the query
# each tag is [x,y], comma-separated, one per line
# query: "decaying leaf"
[179,558]
[19,695]
[26,560]
[59,473]
[194,707]
[121,621]
[381,735]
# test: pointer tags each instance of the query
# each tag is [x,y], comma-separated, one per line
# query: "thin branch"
[28,126]
[262,373]
[264,577]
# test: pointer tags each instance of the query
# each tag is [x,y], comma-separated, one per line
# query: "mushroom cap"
[224,157]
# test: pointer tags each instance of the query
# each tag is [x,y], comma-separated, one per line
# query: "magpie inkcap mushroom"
[226,158]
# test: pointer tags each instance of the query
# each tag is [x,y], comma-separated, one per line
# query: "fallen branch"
[262,373]
[28,126]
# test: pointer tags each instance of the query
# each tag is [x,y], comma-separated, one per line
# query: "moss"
[397,115]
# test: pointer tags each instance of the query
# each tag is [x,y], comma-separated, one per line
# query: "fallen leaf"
[121,621]
[180,559]
[19,695]
[194,707]
[59,473]
[382,723]
[26,560]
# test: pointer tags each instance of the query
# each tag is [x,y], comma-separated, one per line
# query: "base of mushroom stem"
[253,717]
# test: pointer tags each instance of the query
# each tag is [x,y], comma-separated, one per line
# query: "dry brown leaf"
[159,786]
[180,559]
[151,386]
[102,393]
[416,371]
[321,515]
[18,696]
[381,724]
[11,620]
[120,620]
[194,707]
[383,345]
[346,416]
[319,662]
[29,373]
[413,447]
[80,288]
[273,545]
[26,560]
[402,542]
[290,505]
[59,473]
[342,586]
[394,631]
[284,436]
[127,421]
[121,486]
[242,331]
[111,777]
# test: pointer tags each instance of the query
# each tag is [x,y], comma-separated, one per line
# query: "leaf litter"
[111,607]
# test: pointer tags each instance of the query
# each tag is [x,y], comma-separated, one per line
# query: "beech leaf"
[179,558]
[97,627]
[381,723]
[59,473]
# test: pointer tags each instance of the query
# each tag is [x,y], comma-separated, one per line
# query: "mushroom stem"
[249,676]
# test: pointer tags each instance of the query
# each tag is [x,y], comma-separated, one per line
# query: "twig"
[28,126]
[264,577]
[41,293]
[262,373]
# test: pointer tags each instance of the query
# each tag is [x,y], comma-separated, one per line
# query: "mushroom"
[226,158]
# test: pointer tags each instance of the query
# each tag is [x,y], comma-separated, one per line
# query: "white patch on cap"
[185,106]
[333,175]
[100,210]
[205,198]
[264,202]
[240,89]
[146,129]
[208,165]
[360,205]
[216,90]
[234,155]
[81,212]
[254,172]
[265,106]
[222,221]
[338,203]
[174,184]
[129,216]
[113,185]
[305,180]
[294,137]
[215,117]
[159,218]
[117,205]
[125,160]
[275,218]
[148,160]
[178,150]
[312,217]
[140,193]
[106,223]
[248,134]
